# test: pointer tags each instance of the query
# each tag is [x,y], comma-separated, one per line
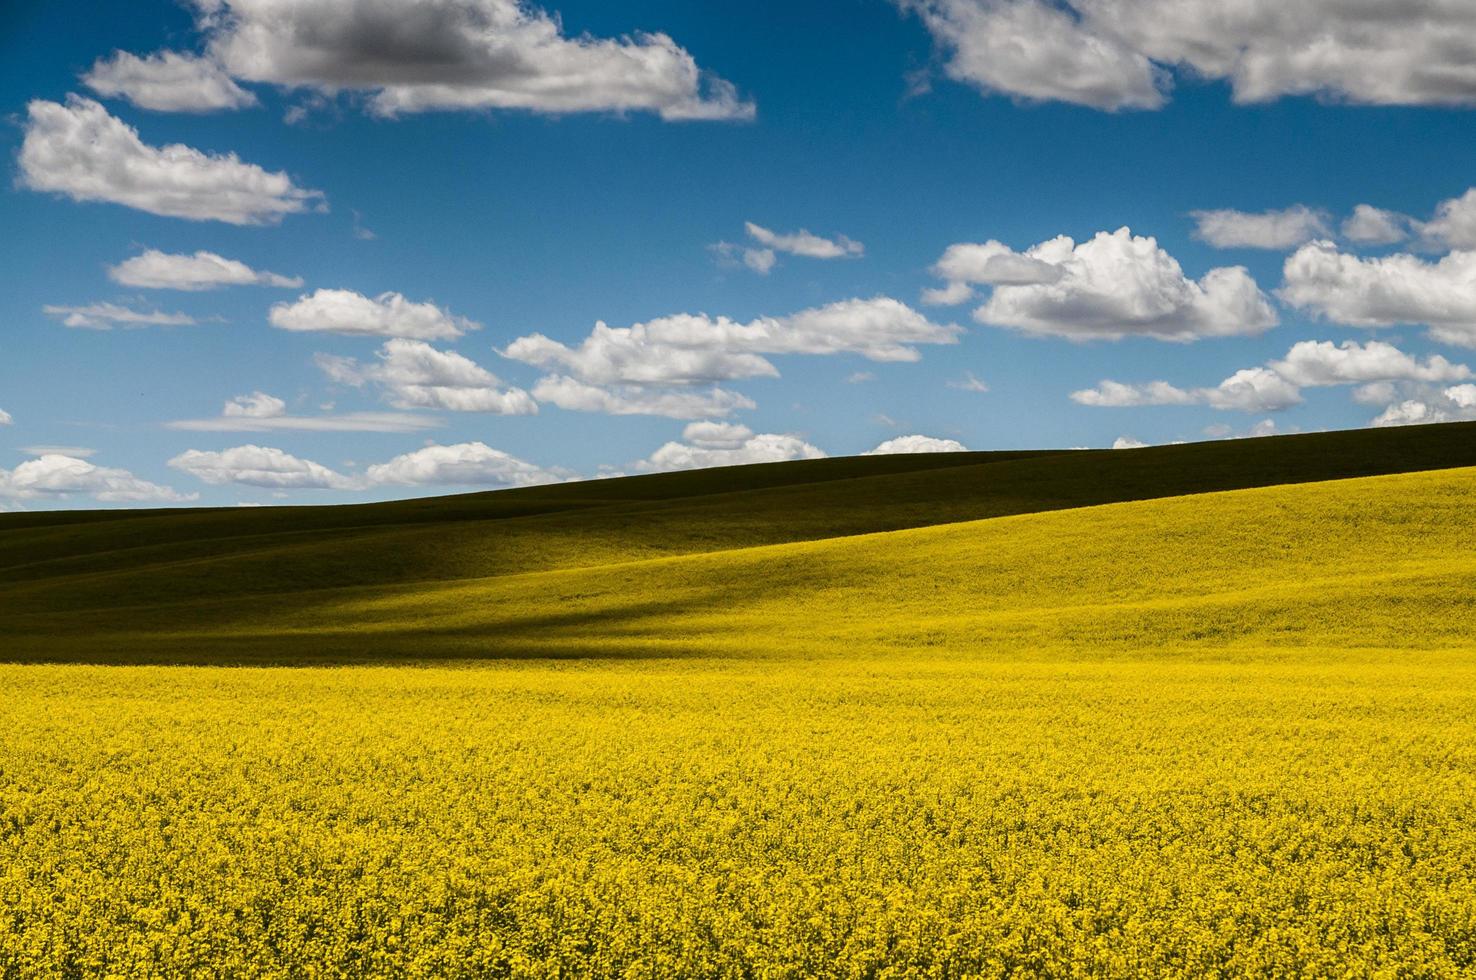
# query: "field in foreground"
[1226,733]
[1262,814]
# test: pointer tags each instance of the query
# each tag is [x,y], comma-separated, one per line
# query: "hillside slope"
[1370,562]
[60,563]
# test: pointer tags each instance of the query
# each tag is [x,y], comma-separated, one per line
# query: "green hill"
[472,575]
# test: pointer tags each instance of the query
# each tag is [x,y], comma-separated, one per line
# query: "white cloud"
[1038,51]
[574,395]
[460,54]
[470,464]
[260,466]
[167,82]
[763,256]
[716,435]
[203,270]
[1248,390]
[1369,225]
[860,377]
[762,448]
[76,452]
[646,368]
[1424,404]
[1265,427]
[969,383]
[696,348]
[1462,396]
[917,444]
[992,263]
[413,374]
[1313,363]
[1411,412]
[1279,384]
[1128,442]
[1454,224]
[104,316]
[1119,54]
[387,315]
[5,417]
[1385,291]
[1113,286]
[260,412]
[81,151]
[257,405]
[1115,394]
[760,260]
[1277,230]
[805,244]
[57,477]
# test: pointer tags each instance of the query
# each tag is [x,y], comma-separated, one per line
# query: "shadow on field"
[417,642]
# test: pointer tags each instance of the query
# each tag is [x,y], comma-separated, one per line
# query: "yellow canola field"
[1384,562]
[1225,735]
[853,818]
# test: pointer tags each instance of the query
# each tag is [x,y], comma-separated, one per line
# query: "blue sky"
[530,204]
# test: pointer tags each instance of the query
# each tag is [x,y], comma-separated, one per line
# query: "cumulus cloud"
[153,269]
[413,374]
[469,464]
[717,435]
[1122,54]
[343,311]
[1279,384]
[1116,285]
[917,444]
[5,417]
[260,412]
[649,368]
[737,451]
[1368,225]
[696,348]
[574,395]
[260,466]
[1319,363]
[1128,442]
[167,81]
[1116,394]
[1249,390]
[1456,403]
[1385,291]
[459,54]
[1454,224]
[1277,230]
[57,477]
[81,151]
[992,263]
[1039,51]
[105,316]
[1265,427]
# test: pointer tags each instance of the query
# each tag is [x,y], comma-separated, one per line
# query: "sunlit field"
[923,815]
[1226,733]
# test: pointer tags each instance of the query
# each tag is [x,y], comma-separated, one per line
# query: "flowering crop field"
[1247,814]
[1223,734]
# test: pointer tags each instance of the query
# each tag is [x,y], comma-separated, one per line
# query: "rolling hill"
[936,549]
